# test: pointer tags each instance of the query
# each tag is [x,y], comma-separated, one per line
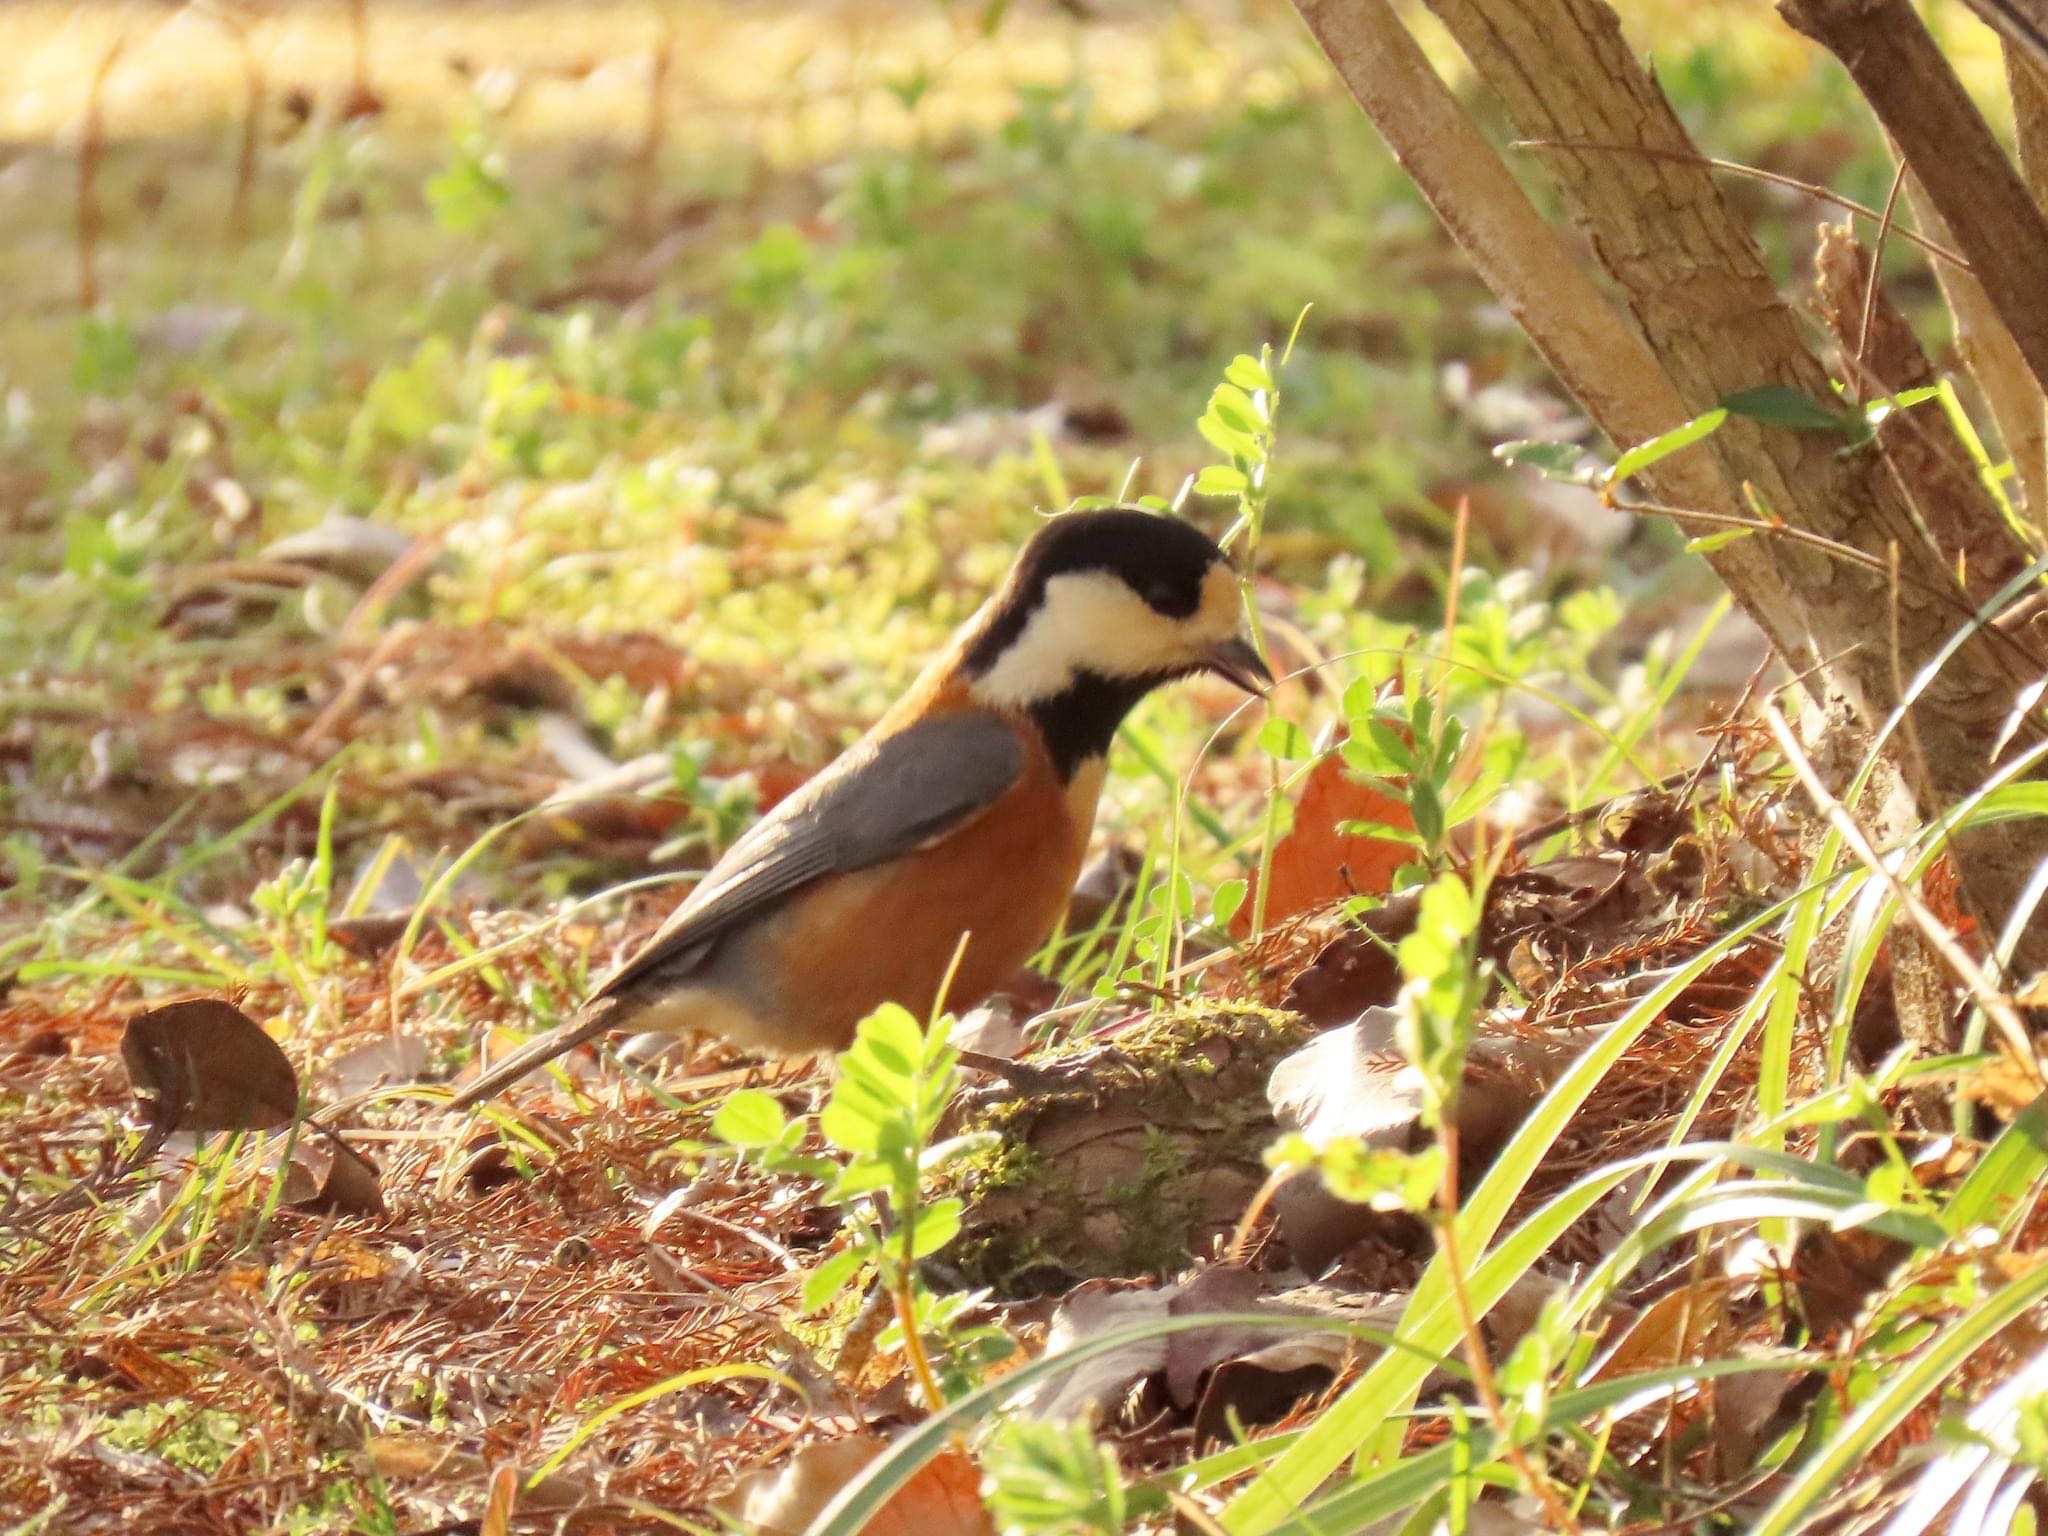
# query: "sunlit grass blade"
[1354,1424]
[866,1494]
[1404,1484]
[1901,1390]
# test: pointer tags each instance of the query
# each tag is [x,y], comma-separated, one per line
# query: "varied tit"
[963,815]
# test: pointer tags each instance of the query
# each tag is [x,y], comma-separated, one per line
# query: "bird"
[936,853]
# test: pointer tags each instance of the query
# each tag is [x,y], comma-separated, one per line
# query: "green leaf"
[1366,761]
[1361,698]
[886,1063]
[1369,1417]
[1657,449]
[1554,461]
[1381,1177]
[852,1122]
[749,1118]
[1246,372]
[1365,827]
[858,1501]
[1224,438]
[938,1053]
[829,1278]
[862,1176]
[2004,1173]
[1221,480]
[1779,405]
[1227,901]
[937,1224]
[1428,811]
[1283,739]
[1239,411]
[1876,411]
[890,1028]
[1391,744]
[1394,1488]
[1707,543]
[1903,1389]
[1590,613]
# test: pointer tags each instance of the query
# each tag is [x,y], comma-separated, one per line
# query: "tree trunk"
[1710,323]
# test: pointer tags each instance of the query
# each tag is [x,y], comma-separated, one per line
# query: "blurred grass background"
[762,331]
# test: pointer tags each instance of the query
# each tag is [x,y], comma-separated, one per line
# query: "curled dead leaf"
[353,548]
[1353,1083]
[1183,1361]
[327,1174]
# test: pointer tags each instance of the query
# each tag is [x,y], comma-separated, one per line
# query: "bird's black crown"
[1162,559]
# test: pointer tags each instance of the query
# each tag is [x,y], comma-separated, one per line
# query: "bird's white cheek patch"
[1087,621]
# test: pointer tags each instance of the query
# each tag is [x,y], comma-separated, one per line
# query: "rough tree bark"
[1993,359]
[1902,73]
[1933,468]
[2027,80]
[1965,193]
[1532,270]
[1712,323]
[2021,24]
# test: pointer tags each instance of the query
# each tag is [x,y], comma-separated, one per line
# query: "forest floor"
[519,459]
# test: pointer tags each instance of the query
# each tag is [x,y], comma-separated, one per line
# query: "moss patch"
[1139,1166]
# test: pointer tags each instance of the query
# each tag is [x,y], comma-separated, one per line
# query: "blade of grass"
[1900,1390]
[1354,1424]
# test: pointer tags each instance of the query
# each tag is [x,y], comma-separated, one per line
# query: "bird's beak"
[1235,661]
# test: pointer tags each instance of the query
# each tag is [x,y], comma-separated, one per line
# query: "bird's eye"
[1160,595]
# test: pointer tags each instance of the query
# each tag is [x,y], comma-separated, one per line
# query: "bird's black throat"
[1080,721]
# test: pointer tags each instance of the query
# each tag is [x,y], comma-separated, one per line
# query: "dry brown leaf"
[423,1459]
[1676,1327]
[2005,1084]
[1317,863]
[154,1373]
[388,1058]
[209,1067]
[942,1498]
[1356,969]
[345,1260]
[1351,1082]
[499,1504]
[1835,1273]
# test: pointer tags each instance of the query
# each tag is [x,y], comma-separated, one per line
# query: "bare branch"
[1900,69]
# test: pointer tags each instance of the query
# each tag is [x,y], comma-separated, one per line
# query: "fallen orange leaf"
[1316,863]
[942,1498]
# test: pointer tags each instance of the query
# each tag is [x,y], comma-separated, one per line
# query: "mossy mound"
[1142,1159]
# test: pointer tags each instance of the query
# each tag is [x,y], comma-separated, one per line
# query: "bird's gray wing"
[882,800]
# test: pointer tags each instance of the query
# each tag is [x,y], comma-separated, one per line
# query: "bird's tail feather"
[597,1017]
